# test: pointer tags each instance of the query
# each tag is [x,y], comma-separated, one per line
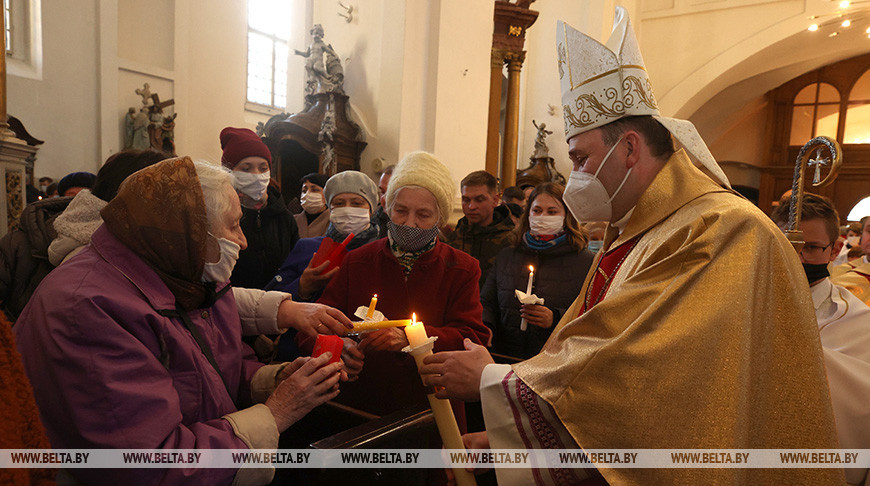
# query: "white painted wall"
[62,107]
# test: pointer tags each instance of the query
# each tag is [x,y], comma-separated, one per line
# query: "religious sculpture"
[323,71]
[541,149]
[149,127]
[542,168]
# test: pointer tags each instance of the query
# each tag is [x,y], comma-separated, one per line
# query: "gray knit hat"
[424,170]
[353,182]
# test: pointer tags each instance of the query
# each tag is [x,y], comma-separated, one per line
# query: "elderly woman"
[267,223]
[135,342]
[550,239]
[351,197]
[411,271]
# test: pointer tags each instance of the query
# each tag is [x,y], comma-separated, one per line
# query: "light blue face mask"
[594,245]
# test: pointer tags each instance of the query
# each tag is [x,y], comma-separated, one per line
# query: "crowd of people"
[168,303]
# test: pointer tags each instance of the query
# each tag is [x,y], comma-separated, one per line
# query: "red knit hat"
[238,143]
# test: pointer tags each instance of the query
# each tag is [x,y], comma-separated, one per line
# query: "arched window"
[816,112]
[859,210]
[858,112]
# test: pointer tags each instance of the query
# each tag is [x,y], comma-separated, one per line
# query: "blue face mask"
[594,245]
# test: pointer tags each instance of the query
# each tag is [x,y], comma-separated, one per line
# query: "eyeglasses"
[810,251]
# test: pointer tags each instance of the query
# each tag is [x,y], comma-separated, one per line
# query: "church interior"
[476,83]
[417,75]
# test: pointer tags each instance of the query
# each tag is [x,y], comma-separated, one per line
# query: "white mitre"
[603,83]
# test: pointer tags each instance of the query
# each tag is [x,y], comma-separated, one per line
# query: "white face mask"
[312,202]
[594,245]
[350,220]
[853,240]
[546,225]
[586,197]
[221,270]
[252,185]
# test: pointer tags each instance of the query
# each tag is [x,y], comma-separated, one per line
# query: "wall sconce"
[348,12]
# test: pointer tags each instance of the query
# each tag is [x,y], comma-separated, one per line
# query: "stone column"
[4,125]
[512,120]
[492,126]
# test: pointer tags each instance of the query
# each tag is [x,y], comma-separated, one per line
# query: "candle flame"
[376,296]
[413,318]
[531,268]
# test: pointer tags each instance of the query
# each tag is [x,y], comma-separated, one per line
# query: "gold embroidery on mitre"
[588,109]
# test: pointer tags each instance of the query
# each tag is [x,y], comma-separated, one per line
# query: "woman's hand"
[313,279]
[390,339]
[537,315]
[311,385]
[352,358]
[312,319]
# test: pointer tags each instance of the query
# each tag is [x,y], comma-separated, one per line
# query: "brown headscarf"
[159,214]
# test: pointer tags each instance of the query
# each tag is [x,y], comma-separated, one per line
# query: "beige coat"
[316,228]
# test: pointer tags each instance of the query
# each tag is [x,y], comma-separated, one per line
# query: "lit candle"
[371,311]
[374,326]
[523,324]
[416,332]
[531,279]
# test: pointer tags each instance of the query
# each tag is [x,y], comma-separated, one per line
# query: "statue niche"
[321,138]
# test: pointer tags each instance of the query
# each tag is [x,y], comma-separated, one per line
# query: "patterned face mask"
[409,238]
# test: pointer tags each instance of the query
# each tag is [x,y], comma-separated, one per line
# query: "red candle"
[330,343]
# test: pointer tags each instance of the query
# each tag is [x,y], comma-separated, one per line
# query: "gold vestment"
[706,338]
[855,276]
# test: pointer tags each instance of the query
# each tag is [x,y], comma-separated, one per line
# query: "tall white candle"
[415,332]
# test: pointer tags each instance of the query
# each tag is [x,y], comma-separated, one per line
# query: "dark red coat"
[441,288]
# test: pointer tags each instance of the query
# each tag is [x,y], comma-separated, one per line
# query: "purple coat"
[109,371]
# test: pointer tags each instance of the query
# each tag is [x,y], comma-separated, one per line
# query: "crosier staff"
[793,232]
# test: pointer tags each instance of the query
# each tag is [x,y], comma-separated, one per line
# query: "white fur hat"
[424,170]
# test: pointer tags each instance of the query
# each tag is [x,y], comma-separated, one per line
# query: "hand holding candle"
[523,324]
[420,347]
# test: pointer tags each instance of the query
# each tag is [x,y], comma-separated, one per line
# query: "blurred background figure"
[381,215]
[514,195]
[853,240]
[51,190]
[314,219]
[550,239]
[596,235]
[44,182]
[72,183]
[82,217]
[267,223]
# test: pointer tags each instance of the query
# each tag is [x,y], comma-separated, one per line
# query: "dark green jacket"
[483,243]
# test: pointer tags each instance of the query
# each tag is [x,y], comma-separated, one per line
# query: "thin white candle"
[523,324]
